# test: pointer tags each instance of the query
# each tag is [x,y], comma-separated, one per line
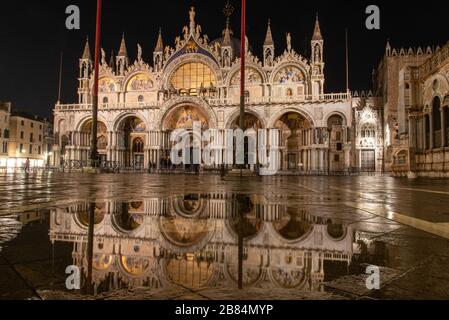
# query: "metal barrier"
[69,166]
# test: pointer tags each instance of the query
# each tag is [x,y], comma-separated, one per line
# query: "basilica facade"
[198,80]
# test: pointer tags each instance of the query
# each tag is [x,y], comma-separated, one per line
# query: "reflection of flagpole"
[242,66]
[90,249]
[93,148]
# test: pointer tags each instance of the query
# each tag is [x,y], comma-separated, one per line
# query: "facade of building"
[198,80]
[26,141]
[5,112]
[415,101]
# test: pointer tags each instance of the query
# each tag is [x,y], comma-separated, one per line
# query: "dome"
[235,45]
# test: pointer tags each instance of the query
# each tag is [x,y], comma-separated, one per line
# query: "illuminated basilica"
[197,80]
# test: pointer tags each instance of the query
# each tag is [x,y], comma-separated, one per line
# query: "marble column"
[443,129]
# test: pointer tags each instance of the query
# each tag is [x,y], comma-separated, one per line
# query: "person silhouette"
[27,165]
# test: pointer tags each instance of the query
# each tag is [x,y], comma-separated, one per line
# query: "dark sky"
[32,35]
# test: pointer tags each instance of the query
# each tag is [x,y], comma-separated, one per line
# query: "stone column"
[347,158]
[424,133]
[411,141]
[313,160]
[443,129]
[432,135]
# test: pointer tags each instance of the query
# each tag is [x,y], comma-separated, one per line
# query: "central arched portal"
[184,118]
[296,135]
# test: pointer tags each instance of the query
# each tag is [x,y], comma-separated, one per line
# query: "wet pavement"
[205,237]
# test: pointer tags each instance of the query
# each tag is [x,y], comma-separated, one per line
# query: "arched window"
[138,145]
[368,131]
[335,120]
[192,76]
[289,92]
[105,100]
[436,116]
[141,99]
[401,158]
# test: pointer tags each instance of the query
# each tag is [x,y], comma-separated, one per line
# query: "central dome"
[235,44]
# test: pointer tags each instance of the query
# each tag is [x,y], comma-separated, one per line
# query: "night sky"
[33,33]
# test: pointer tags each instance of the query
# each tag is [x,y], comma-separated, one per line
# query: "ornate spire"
[269,37]
[160,43]
[86,52]
[122,51]
[228,10]
[112,60]
[227,42]
[317,32]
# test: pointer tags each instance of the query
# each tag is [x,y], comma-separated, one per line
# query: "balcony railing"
[435,62]
[285,99]
[332,97]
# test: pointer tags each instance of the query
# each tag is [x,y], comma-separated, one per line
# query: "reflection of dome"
[184,232]
[135,266]
[335,231]
[287,278]
[188,272]
[292,226]
[101,261]
[127,221]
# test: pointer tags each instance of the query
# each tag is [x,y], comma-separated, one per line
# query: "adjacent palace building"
[401,127]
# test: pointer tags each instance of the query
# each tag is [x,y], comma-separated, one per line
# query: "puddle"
[216,246]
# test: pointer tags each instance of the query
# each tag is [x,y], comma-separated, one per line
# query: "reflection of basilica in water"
[193,241]
[198,80]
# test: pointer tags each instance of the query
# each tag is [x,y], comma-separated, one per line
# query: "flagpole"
[242,66]
[93,148]
[242,127]
[347,61]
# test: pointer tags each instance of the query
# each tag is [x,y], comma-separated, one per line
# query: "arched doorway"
[102,139]
[296,137]
[184,118]
[336,132]
[131,142]
[250,122]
